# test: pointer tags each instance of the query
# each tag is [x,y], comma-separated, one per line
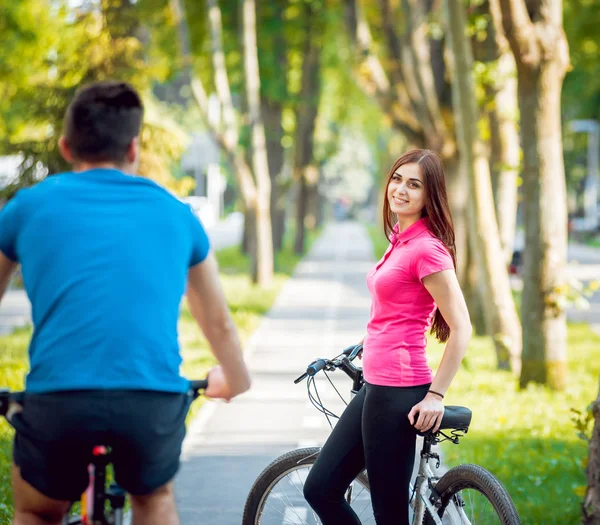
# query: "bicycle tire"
[479,479]
[273,473]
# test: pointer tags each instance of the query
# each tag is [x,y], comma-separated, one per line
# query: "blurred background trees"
[297,108]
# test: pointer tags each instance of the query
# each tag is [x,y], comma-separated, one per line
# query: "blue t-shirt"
[104,257]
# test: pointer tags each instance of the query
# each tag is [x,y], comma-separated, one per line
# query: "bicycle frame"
[419,501]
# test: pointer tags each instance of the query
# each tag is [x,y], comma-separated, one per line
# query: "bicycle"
[100,504]
[464,495]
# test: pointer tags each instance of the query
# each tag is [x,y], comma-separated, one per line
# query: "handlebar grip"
[348,351]
[316,366]
[4,401]
[352,351]
[199,384]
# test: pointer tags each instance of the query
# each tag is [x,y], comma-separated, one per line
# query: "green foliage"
[13,367]
[380,243]
[581,91]
[53,50]
[583,421]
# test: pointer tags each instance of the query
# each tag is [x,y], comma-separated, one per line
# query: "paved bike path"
[321,309]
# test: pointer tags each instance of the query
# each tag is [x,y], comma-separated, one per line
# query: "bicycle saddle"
[455,418]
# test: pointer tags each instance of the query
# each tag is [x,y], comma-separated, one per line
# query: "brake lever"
[357,350]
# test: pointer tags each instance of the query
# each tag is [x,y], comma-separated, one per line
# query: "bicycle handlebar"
[342,361]
[316,366]
[352,351]
[7,397]
[199,384]
[4,401]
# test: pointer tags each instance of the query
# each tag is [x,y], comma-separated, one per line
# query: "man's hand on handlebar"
[217,385]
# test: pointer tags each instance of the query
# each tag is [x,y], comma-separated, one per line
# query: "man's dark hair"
[101,121]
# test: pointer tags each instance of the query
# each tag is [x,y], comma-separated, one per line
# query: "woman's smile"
[399,200]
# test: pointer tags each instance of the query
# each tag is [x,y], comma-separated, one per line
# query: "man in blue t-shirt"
[106,257]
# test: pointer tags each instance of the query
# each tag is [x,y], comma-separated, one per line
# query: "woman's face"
[406,193]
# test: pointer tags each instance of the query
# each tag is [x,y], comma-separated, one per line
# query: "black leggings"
[373,430]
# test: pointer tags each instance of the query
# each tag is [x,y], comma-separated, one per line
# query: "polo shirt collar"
[414,230]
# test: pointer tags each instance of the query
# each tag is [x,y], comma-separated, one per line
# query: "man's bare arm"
[209,307]
[7,267]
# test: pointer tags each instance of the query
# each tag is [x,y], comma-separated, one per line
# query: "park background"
[282,117]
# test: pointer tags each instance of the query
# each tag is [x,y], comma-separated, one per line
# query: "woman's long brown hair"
[437,210]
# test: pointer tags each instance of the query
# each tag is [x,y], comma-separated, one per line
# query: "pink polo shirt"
[402,309]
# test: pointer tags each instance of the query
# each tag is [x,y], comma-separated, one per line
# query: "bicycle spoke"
[295,512]
[290,504]
[477,510]
[291,508]
[300,484]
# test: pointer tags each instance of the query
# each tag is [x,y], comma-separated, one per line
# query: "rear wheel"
[469,494]
[277,496]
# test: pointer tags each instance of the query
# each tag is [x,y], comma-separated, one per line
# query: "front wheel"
[277,496]
[469,494]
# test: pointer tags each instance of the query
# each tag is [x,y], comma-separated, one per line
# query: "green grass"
[248,304]
[525,437]
[594,242]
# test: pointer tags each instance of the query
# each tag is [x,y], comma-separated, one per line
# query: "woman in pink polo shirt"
[414,288]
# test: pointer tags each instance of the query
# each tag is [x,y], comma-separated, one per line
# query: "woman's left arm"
[445,290]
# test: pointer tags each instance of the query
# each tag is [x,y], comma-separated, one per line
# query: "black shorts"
[55,435]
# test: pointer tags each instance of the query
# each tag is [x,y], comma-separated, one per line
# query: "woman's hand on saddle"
[427,414]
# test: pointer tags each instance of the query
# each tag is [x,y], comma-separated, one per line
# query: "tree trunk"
[306,116]
[274,130]
[591,504]
[312,175]
[249,236]
[473,295]
[504,133]
[501,314]
[456,181]
[505,160]
[301,207]
[264,265]
[541,54]
[544,195]
[273,100]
